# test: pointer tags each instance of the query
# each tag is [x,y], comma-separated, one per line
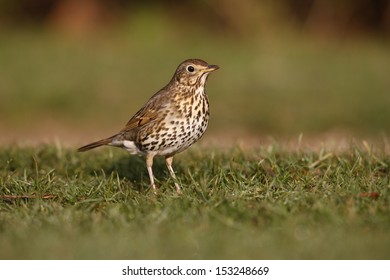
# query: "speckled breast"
[183,124]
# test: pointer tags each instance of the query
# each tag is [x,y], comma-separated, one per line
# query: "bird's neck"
[185,89]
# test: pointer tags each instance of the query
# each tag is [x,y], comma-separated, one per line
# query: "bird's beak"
[211,68]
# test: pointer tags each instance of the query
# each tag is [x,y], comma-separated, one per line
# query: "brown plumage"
[171,121]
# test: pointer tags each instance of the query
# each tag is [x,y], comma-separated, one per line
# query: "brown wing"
[149,112]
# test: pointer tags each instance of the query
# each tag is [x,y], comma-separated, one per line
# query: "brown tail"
[95,144]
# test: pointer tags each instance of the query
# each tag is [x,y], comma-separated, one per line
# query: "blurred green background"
[78,70]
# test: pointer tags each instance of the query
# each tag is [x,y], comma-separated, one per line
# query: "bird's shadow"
[133,168]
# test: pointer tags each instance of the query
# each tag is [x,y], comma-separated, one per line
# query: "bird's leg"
[149,164]
[168,161]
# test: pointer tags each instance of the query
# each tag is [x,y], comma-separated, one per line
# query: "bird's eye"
[190,68]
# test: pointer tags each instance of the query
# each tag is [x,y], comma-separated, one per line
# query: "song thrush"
[171,121]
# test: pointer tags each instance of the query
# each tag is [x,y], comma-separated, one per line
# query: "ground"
[262,203]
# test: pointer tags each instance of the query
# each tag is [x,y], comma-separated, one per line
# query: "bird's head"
[193,72]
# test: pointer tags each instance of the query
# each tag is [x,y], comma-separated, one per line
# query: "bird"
[171,121]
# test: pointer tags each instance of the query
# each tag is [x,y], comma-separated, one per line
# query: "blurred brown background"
[337,18]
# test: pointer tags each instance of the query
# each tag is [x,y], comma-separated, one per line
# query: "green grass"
[267,203]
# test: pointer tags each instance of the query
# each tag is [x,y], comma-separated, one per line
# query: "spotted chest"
[183,122]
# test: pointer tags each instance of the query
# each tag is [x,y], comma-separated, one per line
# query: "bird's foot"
[178,189]
[154,189]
